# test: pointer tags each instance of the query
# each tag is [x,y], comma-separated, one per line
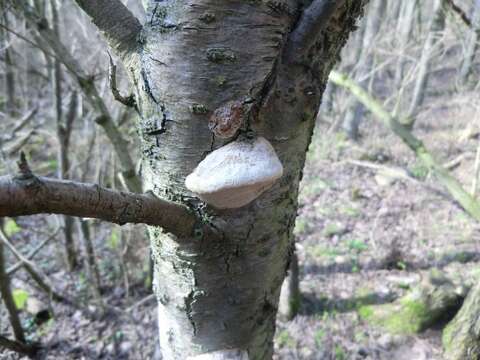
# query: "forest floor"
[363,238]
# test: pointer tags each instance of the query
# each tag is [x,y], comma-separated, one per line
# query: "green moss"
[220,80]
[333,229]
[284,339]
[406,317]
[199,109]
[221,55]
[447,336]
[365,312]
[208,18]
[321,251]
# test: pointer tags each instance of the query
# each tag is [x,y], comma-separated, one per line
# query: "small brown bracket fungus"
[236,174]
[227,119]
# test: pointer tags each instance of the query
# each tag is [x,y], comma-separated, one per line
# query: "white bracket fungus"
[235,174]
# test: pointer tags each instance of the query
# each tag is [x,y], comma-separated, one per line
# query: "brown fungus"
[227,119]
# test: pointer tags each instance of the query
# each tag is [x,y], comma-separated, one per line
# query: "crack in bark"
[188,306]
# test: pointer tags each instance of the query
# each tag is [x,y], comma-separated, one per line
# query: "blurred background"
[376,223]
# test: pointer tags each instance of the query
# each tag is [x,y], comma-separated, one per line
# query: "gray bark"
[220,291]
[117,24]
[461,338]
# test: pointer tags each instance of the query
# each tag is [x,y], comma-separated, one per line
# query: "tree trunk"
[7,298]
[219,289]
[9,71]
[63,135]
[461,338]
[356,111]
[472,44]
[404,29]
[437,24]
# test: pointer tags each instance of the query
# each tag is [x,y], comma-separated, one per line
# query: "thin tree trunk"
[404,30]
[7,298]
[472,44]
[356,111]
[10,106]
[64,128]
[437,24]
[90,258]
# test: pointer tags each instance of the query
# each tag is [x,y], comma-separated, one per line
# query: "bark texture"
[26,195]
[220,290]
[461,338]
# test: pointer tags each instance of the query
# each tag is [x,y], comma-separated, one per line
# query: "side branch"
[458,10]
[29,194]
[314,20]
[117,24]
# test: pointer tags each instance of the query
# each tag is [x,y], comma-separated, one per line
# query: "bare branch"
[18,346]
[89,90]
[37,275]
[129,100]
[12,269]
[28,194]
[24,121]
[313,21]
[117,24]
[458,10]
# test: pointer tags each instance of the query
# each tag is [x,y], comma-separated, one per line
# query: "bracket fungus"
[236,174]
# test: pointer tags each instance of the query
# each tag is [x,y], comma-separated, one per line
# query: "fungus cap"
[235,174]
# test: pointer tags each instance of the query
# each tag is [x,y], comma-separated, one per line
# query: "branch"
[455,8]
[37,275]
[468,203]
[28,194]
[18,347]
[129,100]
[314,20]
[117,24]
[12,269]
[89,90]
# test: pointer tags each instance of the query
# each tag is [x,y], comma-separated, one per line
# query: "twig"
[141,302]
[24,121]
[112,77]
[34,272]
[18,347]
[12,269]
[456,9]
